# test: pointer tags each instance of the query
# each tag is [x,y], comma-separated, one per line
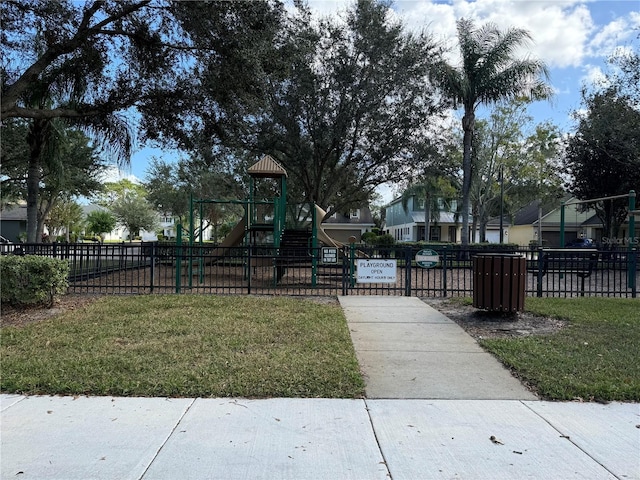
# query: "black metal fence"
[152,267]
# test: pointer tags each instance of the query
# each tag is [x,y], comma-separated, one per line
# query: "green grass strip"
[596,357]
[185,346]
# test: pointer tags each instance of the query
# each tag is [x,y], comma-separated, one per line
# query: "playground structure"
[274,234]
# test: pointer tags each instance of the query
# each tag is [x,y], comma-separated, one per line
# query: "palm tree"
[431,188]
[489,74]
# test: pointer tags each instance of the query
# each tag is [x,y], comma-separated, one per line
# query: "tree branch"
[31,74]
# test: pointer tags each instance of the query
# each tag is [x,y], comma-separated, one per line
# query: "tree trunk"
[540,225]
[474,228]
[33,181]
[36,140]
[467,126]
[483,230]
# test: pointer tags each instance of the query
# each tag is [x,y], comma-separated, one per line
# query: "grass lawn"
[597,357]
[185,346]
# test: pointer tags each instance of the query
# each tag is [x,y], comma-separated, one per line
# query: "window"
[434,234]
[355,213]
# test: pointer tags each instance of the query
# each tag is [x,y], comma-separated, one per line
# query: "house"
[529,220]
[409,225]
[13,222]
[355,222]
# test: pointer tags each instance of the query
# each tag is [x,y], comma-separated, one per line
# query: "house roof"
[495,222]
[528,214]
[365,218]
[14,212]
[86,209]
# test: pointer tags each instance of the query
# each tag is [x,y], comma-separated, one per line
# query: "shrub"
[384,240]
[369,238]
[32,279]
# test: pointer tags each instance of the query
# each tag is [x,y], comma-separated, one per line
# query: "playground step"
[294,247]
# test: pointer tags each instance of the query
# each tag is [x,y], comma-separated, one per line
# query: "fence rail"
[152,267]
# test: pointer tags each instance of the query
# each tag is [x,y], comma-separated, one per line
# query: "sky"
[573,37]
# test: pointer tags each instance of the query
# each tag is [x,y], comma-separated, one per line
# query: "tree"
[94,61]
[349,109]
[114,191]
[602,155]
[65,216]
[433,189]
[100,222]
[510,170]
[68,167]
[488,74]
[134,213]
[171,185]
[13,150]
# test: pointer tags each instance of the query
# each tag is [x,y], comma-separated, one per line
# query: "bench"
[581,262]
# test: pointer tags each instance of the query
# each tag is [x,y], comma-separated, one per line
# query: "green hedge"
[31,279]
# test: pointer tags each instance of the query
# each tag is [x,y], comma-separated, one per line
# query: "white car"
[6,246]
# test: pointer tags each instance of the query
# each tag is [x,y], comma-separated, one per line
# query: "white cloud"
[560,29]
[593,75]
[114,174]
[610,36]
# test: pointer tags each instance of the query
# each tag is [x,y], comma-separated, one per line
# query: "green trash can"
[499,281]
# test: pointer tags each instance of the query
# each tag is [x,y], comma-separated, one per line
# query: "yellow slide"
[322,235]
[235,237]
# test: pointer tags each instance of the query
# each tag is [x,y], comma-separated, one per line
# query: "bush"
[384,240]
[369,238]
[31,279]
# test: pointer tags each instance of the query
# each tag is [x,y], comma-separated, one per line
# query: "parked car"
[6,246]
[581,243]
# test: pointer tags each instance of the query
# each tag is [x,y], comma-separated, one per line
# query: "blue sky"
[574,38]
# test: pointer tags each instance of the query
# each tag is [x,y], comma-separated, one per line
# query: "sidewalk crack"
[155,456]
[375,435]
[566,436]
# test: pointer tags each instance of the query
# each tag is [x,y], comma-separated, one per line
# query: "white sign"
[376,271]
[329,255]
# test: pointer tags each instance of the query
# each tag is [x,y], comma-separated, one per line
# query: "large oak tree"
[345,107]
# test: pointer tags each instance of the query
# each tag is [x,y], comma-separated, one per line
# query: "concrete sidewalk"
[407,349]
[153,438]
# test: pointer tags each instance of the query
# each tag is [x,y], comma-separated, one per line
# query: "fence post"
[345,269]
[540,272]
[153,265]
[444,271]
[248,270]
[178,256]
[352,260]
[407,279]
[633,268]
